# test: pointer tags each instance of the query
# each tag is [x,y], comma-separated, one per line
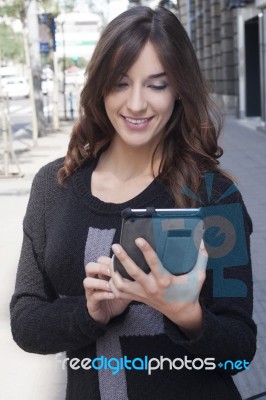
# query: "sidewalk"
[29,376]
[24,376]
[244,156]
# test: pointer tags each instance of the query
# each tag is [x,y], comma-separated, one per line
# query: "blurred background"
[45,46]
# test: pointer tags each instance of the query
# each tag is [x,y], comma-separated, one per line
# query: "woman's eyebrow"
[157,75]
[154,76]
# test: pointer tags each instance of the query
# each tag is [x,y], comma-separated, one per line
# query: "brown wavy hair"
[190,141]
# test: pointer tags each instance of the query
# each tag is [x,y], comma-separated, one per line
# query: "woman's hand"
[174,296]
[101,302]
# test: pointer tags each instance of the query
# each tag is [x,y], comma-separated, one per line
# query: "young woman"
[147,136]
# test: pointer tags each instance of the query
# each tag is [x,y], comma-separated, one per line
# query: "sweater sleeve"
[40,321]
[228,331]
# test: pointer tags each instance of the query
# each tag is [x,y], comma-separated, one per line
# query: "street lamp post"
[133,3]
[64,68]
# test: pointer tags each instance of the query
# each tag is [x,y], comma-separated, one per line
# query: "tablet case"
[175,235]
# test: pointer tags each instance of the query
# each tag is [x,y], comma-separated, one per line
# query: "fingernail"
[116,248]
[139,242]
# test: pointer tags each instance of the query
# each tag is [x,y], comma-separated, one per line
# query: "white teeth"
[137,121]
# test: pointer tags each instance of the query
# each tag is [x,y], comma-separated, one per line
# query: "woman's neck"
[127,162]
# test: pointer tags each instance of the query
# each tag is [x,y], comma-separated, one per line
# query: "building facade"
[77,34]
[229,38]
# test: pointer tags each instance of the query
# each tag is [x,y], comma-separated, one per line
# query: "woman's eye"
[120,85]
[159,87]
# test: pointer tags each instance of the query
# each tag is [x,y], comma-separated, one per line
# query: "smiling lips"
[137,123]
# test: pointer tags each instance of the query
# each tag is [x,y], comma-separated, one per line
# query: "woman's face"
[141,102]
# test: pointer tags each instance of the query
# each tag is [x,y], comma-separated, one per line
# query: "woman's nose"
[136,101]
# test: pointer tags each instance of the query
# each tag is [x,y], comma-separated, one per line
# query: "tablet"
[175,235]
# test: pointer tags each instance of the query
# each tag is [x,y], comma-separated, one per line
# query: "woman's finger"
[93,284]
[94,269]
[99,296]
[160,273]
[202,259]
[201,264]
[118,283]
[130,266]
[104,260]
[143,282]
[125,292]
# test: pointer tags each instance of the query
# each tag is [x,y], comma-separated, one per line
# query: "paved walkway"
[245,156]
[29,376]
[24,376]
